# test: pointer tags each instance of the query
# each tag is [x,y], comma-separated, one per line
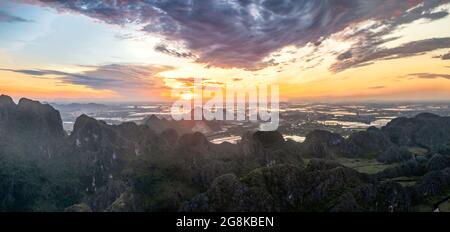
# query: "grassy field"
[368,166]
[405,181]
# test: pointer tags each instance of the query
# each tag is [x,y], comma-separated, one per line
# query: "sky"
[314,50]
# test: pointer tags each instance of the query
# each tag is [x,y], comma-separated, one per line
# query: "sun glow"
[187,96]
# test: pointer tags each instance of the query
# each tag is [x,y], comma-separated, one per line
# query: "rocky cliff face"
[433,183]
[32,168]
[425,130]
[29,128]
[269,148]
[321,186]
[323,144]
[370,144]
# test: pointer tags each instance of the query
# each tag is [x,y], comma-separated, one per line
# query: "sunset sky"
[324,50]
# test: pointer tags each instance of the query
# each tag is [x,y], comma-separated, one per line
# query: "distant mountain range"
[79,106]
[160,165]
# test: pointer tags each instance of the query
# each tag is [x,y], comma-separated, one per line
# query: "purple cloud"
[241,33]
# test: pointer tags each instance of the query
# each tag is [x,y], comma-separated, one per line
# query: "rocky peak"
[6,101]
[322,144]
[91,134]
[252,142]
[268,138]
[84,121]
[153,117]
[370,143]
[27,102]
[426,116]
[36,107]
[30,128]
[425,130]
[158,125]
[325,137]
[42,118]
[6,106]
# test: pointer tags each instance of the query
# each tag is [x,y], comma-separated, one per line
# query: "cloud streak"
[166,50]
[111,77]
[430,75]
[8,18]
[444,57]
[366,56]
[369,46]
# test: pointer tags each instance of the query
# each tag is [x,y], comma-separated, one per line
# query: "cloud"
[369,46]
[344,56]
[377,87]
[8,18]
[242,33]
[430,75]
[164,49]
[444,57]
[30,71]
[367,55]
[112,77]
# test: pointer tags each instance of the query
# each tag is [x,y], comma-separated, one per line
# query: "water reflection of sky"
[356,125]
[347,116]
[233,139]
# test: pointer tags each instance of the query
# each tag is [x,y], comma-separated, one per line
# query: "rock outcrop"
[270,148]
[409,168]
[438,162]
[432,184]
[425,130]
[29,129]
[323,144]
[322,186]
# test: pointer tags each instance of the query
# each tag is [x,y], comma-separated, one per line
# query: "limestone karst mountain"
[154,166]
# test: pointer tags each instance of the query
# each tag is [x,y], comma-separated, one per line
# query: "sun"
[187,96]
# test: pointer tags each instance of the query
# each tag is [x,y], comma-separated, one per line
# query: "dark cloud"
[112,76]
[369,47]
[436,15]
[344,56]
[242,33]
[430,75]
[444,57]
[8,18]
[368,55]
[166,50]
